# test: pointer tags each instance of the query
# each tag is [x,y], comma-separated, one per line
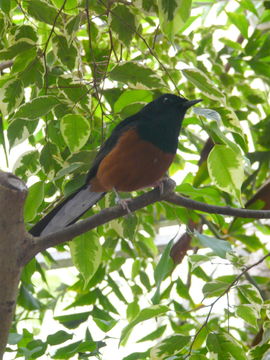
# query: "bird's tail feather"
[67,212]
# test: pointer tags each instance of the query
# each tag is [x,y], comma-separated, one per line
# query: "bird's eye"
[165,100]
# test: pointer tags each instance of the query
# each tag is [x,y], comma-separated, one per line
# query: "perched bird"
[137,155]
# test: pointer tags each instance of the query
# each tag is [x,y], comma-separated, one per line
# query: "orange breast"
[131,165]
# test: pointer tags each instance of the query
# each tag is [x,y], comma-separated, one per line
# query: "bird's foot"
[160,185]
[122,202]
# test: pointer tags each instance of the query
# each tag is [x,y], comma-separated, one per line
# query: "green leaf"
[145,314]
[66,53]
[28,271]
[154,334]
[202,82]
[240,21]
[133,309]
[8,89]
[249,5]
[260,67]
[170,346]
[226,170]
[123,23]
[138,75]
[214,288]
[68,351]
[182,290]
[130,224]
[257,352]
[106,303]
[70,5]
[48,159]
[16,49]
[33,74]
[187,24]
[218,136]
[230,119]
[72,321]
[5,6]
[37,348]
[219,247]
[250,292]
[137,356]
[77,93]
[14,338]
[249,314]
[197,260]
[86,299]
[132,96]
[210,194]
[19,130]
[198,357]
[225,346]
[165,264]
[162,270]
[172,15]
[59,337]
[86,254]
[27,164]
[33,201]
[75,130]
[36,107]
[103,319]
[116,289]
[145,280]
[67,170]
[136,267]
[116,264]
[232,44]
[72,26]
[26,32]
[14,93]
[27,300]
[42,11]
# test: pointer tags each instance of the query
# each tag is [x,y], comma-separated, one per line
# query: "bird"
[136,155]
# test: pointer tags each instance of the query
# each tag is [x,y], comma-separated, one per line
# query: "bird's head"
[168,104]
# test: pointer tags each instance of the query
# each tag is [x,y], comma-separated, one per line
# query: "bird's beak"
[190,103]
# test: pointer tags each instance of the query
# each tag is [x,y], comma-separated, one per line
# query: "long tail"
[67,212]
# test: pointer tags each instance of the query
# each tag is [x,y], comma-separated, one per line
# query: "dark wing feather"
[75,205]
[109,144]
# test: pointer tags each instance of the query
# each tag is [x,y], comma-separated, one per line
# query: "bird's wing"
[75,205]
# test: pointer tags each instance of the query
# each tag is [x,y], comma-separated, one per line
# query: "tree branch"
[213,209]
[35,245]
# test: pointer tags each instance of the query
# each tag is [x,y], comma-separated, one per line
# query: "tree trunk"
[12,234]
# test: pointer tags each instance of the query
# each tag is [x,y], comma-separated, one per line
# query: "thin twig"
[6,64]
[146,44]
[214,209]
[155,37]
[47,44]
[112,47]
[226,291]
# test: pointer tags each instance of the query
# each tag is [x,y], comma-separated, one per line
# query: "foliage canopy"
[71,70]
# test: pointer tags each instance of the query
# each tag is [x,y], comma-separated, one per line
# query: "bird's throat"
[161,134]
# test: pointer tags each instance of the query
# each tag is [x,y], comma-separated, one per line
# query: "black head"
[169,104]
[161,121]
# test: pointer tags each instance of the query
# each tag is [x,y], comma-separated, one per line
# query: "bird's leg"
[160,184]
[122,202]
